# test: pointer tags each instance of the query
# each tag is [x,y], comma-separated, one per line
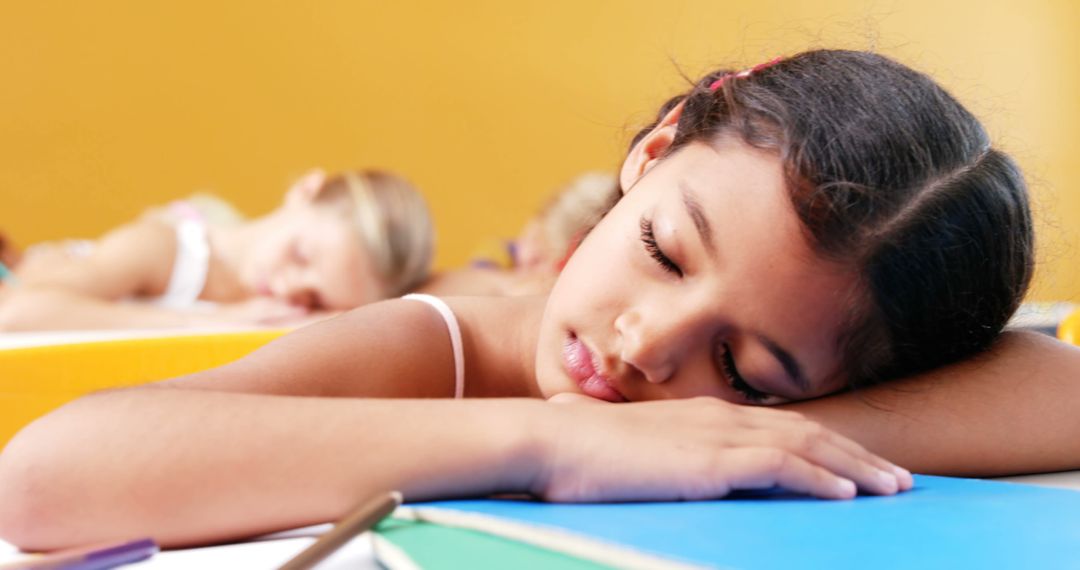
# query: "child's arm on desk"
[60,290]
[195,467]
[1011,410]
[52,309]
[200,464]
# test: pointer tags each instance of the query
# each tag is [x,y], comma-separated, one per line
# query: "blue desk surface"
[941,523]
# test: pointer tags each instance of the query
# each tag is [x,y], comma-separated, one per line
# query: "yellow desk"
[35,380]
[1069,329]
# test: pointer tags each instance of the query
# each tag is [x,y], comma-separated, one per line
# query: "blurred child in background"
[335,243]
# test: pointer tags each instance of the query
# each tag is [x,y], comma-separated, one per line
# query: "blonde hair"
[393,221]
[574,210]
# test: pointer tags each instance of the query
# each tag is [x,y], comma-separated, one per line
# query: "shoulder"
[1027,352]
[145,239]
[500,335]
[129,260]
[143,249]
[397,348]
[387,322]
[391,349]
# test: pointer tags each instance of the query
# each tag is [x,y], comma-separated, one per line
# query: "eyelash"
[731,373]
[649,239]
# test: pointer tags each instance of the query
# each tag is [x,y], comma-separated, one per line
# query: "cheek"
[268,261]
[604,260]
[268,257]
[548,354]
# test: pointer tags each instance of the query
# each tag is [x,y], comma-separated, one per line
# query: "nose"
[656,342]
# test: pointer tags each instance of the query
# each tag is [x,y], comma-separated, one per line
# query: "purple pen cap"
[115,555]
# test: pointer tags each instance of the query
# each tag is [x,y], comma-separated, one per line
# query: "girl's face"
[699,282]
[312,257]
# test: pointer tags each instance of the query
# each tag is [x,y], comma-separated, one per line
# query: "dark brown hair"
[889,174]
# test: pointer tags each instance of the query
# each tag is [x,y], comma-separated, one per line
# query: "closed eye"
[731,374]
[648,238]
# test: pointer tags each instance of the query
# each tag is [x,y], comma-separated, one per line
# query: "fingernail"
[888,482]
[903,476]
[845,488]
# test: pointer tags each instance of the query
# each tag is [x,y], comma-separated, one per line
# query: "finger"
[799,422]
[816,445]
[903,476]
[763,468]
[791,431]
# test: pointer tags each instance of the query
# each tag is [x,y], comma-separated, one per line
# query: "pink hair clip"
[745,73]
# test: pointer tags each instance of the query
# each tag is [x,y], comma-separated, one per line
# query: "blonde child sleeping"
[335,243]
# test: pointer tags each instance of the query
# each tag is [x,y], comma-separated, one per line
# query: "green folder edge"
[435,547]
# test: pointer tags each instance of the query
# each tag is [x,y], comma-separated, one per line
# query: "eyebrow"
[697,214]
[791,366]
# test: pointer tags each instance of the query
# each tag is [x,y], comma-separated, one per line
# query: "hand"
[696,449]
[266,311]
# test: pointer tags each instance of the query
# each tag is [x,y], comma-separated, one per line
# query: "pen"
[359,520]
[95,557]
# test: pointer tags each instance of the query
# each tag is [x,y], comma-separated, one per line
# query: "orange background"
[107,107]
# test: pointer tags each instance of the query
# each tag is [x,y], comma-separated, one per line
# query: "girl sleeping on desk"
[803,285]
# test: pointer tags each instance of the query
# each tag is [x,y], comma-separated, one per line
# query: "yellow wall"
[108,106]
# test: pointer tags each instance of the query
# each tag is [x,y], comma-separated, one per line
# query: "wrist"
[474,448]
[529,446]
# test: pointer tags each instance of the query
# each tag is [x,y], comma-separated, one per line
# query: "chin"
[549,383]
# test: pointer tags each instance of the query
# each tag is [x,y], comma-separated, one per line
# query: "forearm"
[51,309]
[1012,410]
[194,466]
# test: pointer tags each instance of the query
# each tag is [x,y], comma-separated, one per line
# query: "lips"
[578,362]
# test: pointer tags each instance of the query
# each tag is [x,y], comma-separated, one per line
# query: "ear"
[650,149]
[305,189]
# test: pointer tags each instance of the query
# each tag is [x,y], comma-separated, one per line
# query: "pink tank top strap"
[455,338]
